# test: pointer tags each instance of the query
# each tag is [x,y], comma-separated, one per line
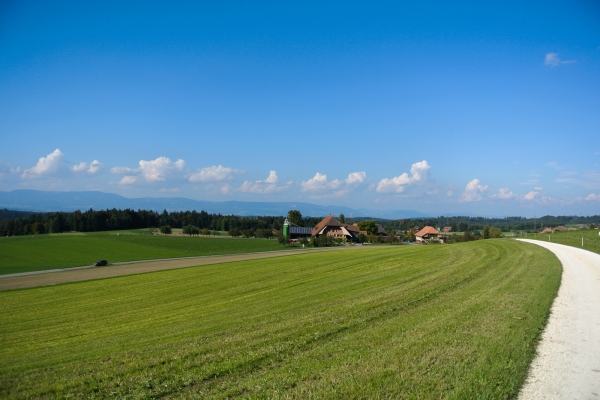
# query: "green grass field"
[40,252]
[457,321]
[591,239]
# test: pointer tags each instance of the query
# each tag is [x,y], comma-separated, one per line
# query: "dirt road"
[46,278]
[567,365]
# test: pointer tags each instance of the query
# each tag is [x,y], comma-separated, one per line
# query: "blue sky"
[441,107]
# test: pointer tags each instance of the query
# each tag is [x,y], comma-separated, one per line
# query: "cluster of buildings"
[568,228]
[331,227]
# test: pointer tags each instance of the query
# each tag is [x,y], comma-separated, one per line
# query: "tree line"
[15,223]
[27,223]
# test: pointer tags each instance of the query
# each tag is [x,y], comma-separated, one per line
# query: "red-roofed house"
[427,234]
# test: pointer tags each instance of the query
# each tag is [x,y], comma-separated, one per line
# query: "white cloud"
[504,193]
[533,194]
[356,177]
[45,165]
[157,170]
[92,168]
[127,180]
[215,173]
[272,178]
[160,168]
[593,197]
[82,166]
[336,188]
[419,173]
[95,166]
[553,164]
[473,191]
[123,170]
[320,182]
[269,185]
[553,60]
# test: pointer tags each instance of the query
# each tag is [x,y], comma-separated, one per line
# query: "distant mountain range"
[43,201]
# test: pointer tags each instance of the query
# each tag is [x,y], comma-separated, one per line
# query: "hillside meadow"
[42,252]
[457,321]
[590,238]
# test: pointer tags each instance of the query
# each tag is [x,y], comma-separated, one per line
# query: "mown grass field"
[456,321]
[41,252]
[591,238]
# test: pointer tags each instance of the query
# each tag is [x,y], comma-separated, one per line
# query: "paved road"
[567,365]
[54,277]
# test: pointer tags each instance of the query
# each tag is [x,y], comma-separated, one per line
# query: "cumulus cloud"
[553,61]
[269,185]
[533,194]
[127,180]
[158,169]
[356,177]
[334,188]
[215,173]
[45,165]
[90,168]
[473,191]
[504,193]
[593,197]
[419,173]
[320,182]
[82,166]
[95,166]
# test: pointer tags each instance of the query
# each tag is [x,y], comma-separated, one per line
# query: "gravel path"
[77,274]
[567,365]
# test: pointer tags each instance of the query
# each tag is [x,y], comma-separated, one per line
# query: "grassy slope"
[591,238]
[457,321]
[40,252]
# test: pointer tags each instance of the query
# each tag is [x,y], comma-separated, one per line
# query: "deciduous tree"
[294,217]
[369,226]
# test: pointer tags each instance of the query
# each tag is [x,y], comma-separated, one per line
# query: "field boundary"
[32,279]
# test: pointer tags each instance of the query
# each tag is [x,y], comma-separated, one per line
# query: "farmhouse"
[380,231]
[331,227]
[428,234]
